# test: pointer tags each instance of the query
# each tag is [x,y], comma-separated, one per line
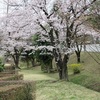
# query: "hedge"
[11,77]
[17,90]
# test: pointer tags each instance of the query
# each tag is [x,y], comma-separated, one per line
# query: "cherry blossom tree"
[79,43]
[58,25]
[86,35]
[16,28]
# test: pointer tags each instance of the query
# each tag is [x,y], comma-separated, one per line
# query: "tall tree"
[16,32]
[59,24]
[79,43]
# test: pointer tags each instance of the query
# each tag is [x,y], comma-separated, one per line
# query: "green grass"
[88,63]
[49,88]
[90,71]
[35,74]
[61,90]
[89,76]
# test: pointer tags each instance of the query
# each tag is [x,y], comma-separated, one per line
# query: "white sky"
[2,8]
[3,5]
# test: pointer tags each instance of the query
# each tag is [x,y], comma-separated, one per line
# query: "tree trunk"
[49,67]
[27,61]
[32,61]
[78,57]
[16,61]
[62,68]
[65,67]
[63,71]
[17,64]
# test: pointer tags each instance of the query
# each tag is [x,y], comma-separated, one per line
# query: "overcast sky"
[2,8]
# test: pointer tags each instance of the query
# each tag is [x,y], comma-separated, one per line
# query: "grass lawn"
[48,87]
[35,74]
[90,73]
[60,90]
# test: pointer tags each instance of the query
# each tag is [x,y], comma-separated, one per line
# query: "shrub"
[12,77]
[17,90]
[75,68]
[1,66]
[1,69]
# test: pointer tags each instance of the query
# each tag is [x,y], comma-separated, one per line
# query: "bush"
[1,69]
[75,68]
[11,77]
[1,66]
[17,90]
[45,61]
